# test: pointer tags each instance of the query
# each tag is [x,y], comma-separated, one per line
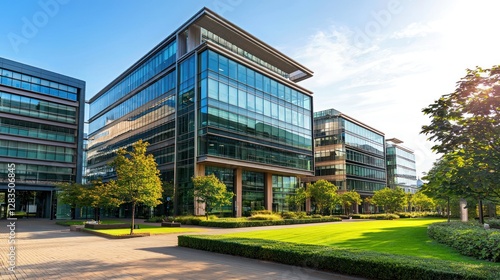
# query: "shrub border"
[468,239]
[368,264]
[259,223]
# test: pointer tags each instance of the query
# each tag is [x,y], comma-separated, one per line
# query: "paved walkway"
[45,250]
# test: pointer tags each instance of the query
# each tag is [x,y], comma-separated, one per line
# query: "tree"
[391,199]
[72,194]
[210,192]
[466,123]
[298,198]
[421,201]
[102,194]
[324,194]
[137,178]
[350,198]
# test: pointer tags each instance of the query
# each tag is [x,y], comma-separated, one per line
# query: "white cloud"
[416,29]
[388,81]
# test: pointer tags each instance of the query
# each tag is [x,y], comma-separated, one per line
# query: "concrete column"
[268,191]
[200,170]
[464,215]
[238,190]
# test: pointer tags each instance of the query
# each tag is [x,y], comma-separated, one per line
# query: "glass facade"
[41,134]
[401,168]
[253,191]
[283,187]
[159,62]
[267,121]
[201,102]
[347,153]
[39,174]
[36,84]
[32,107]
[185,161]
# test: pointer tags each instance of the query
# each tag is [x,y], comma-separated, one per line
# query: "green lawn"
[402,237]
[153,230]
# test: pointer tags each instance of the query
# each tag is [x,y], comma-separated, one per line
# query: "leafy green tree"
[350,198]
[466,123]
[72,194]
[391,199]
[298,198]
[104,195]
[324,194]
[422,202]
[210,192]
[137,178]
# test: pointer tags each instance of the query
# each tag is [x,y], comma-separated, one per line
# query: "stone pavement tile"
[49,251]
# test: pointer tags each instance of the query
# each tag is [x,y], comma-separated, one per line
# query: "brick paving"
[45,250]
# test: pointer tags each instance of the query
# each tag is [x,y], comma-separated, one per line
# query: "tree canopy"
[324,194]
[391,199]
[422,202]
[350,198]
[210,192]
[466,127]
[137,178]
[72,194]
[298,198]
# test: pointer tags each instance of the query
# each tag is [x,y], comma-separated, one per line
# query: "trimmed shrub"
[469,239]
[289,215]
[387,217]
[375,216]
[266,217]
[261,212]
[316,216]
[418,214]
[236,223]
[494,223]
[193,220]
[372,265]
[155,219]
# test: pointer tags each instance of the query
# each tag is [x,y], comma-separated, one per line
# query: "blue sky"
[378,61]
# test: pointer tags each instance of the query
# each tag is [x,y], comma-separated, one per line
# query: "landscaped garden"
[143,229]
[140,230]
[382,249]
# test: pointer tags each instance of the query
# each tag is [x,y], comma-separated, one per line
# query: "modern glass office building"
[41,135]
[211,99]
[349,154]
[401,166]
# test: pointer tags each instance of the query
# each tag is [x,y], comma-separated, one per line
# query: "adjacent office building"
[401,166]
[349,154]
[211,99]
[41,134]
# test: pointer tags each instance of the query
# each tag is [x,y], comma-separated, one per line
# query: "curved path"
[45,250]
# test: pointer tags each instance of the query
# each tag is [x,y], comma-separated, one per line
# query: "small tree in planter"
[137,178]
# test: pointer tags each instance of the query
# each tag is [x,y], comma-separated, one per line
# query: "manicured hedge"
[375,216]
[367,264]
[236,223]
[470,239]
[418,214]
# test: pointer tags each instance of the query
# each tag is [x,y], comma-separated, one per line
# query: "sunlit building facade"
[211,99]
[349,154]
[401,166]
[41,136]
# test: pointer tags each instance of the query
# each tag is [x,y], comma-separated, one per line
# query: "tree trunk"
[449,212]
[132,225]
[481,216]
